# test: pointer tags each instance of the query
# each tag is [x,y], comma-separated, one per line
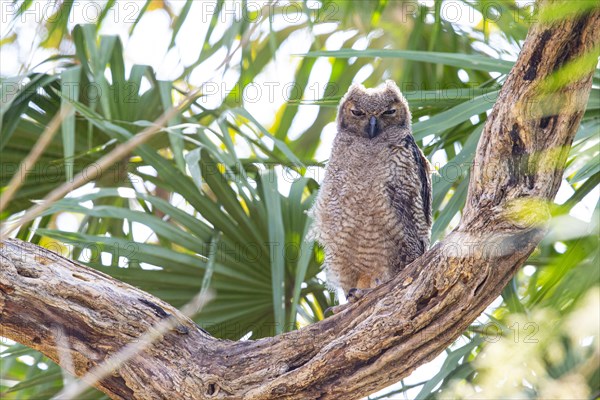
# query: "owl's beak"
[373,128]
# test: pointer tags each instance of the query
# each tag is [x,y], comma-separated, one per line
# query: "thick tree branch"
[390,332]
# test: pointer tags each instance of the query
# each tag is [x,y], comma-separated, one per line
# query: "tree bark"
[386,335]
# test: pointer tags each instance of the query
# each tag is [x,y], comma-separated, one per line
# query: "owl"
[372,214]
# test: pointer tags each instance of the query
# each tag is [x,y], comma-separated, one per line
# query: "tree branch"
[387,334]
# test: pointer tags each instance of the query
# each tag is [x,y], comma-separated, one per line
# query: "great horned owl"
[373,211]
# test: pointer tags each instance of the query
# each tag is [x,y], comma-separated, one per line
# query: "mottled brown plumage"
[373,212]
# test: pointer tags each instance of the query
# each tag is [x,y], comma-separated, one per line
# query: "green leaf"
[302,266]
[272,200]
[180,20]
[15,107]
[210,266]
[227,197]
[192,160]
[455,204]
[451,363]
[456,169]
[471,61]
[49,377]
[454,116]
[70,82]
[278,143]
[591,167]
[175,138]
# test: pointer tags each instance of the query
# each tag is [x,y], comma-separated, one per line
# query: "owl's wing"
[409,191]
[423,168]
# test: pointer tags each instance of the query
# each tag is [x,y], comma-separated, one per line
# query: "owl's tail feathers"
[352,296]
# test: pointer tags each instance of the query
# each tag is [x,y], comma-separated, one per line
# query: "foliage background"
[218,200]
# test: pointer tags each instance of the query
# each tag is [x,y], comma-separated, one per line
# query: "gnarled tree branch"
[387,334]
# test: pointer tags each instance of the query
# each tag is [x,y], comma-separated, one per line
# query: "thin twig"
[63,349]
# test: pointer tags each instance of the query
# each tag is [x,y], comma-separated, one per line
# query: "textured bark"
[387,334]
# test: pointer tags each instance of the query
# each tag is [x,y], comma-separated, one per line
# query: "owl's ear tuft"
[393,89]
[355,89]
[391,85]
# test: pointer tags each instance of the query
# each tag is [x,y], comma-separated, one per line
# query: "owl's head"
[370,112]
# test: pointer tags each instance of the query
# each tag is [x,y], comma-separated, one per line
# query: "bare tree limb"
[387,334]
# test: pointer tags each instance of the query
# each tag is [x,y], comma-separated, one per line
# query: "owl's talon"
[335,309]
[356,294]
[353,296]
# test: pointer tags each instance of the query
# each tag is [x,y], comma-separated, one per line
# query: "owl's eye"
[357,113]
[390,112]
